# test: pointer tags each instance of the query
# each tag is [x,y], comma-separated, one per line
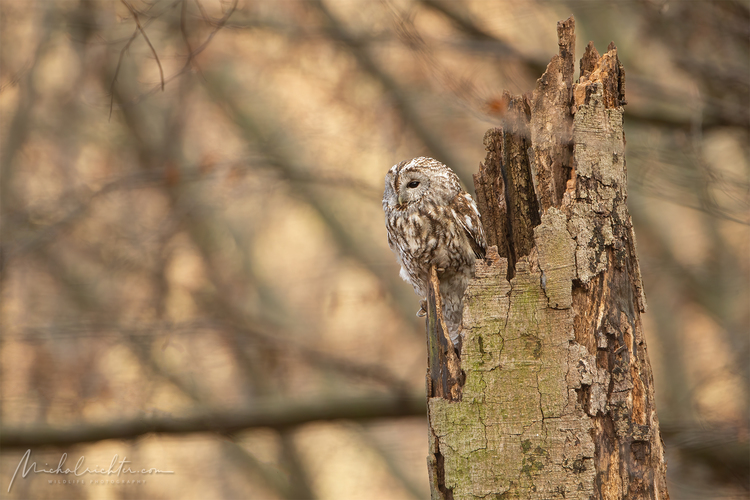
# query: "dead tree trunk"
[552,395]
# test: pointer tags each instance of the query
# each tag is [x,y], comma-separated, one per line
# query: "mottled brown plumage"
[431,220]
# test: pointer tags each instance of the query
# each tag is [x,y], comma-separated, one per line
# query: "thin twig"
[15,79]
[192,53]
[183,28]
[219,25]
[117,71]
[46,234]
[145,37]
[205,15]
[335,30]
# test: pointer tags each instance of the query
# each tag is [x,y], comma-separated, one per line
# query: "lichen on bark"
[512,433]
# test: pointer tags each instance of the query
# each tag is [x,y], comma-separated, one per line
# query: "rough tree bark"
[552,395]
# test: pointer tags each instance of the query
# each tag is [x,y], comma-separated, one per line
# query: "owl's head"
[412,181]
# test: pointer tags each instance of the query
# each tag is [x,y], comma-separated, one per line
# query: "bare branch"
[117,71]
[409,114]
[191,53]
[468,27]
[45,234]
[145,37]
[183,28]
[275,415]
[218,26]
[17,77]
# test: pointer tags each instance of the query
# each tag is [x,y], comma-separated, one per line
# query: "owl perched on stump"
[431,220]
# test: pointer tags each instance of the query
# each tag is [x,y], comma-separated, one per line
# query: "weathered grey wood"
[551,121]
[558,396]
[490,189]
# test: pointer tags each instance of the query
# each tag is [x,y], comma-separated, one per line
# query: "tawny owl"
[431,220]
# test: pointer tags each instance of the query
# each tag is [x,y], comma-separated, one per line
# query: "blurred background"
[191,222]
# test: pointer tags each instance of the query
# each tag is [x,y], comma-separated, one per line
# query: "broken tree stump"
[552,395]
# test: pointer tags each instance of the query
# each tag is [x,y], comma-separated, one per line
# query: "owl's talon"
[422,310]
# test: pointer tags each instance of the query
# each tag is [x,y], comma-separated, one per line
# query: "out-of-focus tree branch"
[406,109]
[723,449]
[220,303]
[470,28]
[393,467]
[145,37]
[720,113]
[279,415]
[260,129]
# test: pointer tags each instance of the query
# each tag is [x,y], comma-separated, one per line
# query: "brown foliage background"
[191,222]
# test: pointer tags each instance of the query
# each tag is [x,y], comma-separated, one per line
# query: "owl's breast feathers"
[449,236]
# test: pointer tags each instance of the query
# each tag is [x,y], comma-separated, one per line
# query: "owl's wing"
[395,247]
[467,216]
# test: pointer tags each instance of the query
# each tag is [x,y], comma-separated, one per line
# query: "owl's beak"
[400,199]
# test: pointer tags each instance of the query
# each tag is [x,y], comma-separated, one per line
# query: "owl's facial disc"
[412,187]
